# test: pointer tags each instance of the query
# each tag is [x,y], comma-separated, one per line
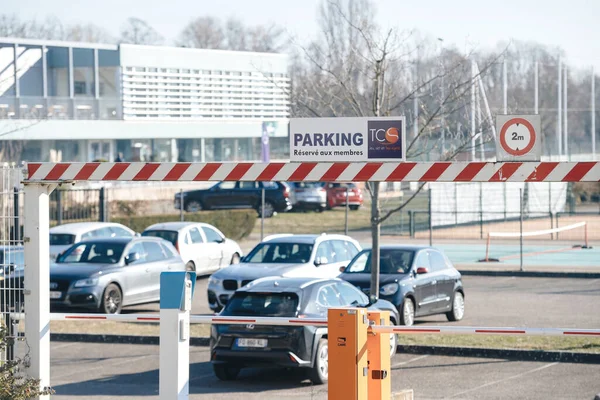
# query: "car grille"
[61,285]
[230,284]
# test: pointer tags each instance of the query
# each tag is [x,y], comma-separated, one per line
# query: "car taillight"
[177,246]
[321,190]
[286,192]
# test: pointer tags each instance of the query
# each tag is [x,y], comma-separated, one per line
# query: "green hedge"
[235,224]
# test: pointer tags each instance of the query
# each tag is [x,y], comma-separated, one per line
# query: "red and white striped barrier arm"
[470,330]
[425,329]
[342,172]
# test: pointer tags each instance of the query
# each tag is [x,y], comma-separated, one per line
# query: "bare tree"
[356,68]
[137,31]
[204,33]
[88,33]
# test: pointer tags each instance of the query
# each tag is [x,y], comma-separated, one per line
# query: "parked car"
[203,247]
[11,258]
[232,195]
[64,236]
[308,196]
[109,273]
[313,256]
[336,195]
[419,281]
[237,346]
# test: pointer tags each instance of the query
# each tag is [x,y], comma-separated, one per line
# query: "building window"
[80,87]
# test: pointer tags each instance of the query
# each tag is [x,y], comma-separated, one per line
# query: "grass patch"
[546,343]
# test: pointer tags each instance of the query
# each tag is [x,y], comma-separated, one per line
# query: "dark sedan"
[232,195]
[419,281]
[236,346]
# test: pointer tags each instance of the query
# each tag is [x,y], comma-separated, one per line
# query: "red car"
[336,195]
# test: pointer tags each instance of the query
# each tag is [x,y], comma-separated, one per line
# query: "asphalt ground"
[109,371]
[495,301]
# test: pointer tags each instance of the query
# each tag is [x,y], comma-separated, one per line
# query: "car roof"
[279,284]
[173,226]
[124,240]
[82,227]
[309,239]
[402,247]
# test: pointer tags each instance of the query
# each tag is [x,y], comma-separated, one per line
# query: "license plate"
[260,343]
[55,295]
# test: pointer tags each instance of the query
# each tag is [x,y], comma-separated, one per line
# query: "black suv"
[229,195]
[237,346]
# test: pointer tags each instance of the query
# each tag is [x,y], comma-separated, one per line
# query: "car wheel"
[393,342]
[112,300]
[268,211]
[354,208]
[226,372]
[193,206]
[407,317]
[320,209]
[235,258]
[458,308]
[190,266]
[320,371]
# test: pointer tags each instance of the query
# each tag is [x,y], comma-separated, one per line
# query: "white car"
[203,247]
[63,236]
[290,256]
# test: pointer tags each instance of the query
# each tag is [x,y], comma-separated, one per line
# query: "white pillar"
[176,291]
[566,120]
[416,115]
[505,86]
[559,122]
[202,150]
[473,74]
[593,114]
[37,280]
[536,89]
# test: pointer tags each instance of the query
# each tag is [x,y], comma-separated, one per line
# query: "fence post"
[550,208]
[521,228]
[346,216]
[102,205]
[430,220]
[59,210]
[262,214]
[12,337]
[411,223]
[17,224]
[181,205]
[480,210]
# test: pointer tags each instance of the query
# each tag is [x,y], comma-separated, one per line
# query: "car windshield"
[169,236]
[392,261]
[262,305]
[308,185]
[94,253]
[284,253]
[61,239]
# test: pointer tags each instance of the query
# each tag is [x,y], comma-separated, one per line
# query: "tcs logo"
[385,136]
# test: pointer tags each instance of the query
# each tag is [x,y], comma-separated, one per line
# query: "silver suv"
[306,256]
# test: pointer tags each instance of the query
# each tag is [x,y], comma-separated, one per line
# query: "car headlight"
[214,281]
[86,282]
[389,289]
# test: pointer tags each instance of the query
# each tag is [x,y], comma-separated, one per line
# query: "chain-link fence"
[11,258]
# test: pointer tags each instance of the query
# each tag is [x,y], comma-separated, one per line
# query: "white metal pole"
[536,89]
[176,290]
[37,280]
[593,114]
[559,122]
[485,102]
[505,86]
[473,128]
[566,119]
[480,126]
[416,115]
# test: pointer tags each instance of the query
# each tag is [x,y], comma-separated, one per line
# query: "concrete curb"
[518,355]
[531,274]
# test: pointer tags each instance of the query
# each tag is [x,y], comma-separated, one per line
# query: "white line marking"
[505,379]
[62,346]
[409,361]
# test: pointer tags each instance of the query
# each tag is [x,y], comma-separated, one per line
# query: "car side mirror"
[422,270]
[131,258]
[321,261]
[342,269]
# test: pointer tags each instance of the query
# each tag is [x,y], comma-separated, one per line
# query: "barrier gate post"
[378,356]
[176,292]
[347,351]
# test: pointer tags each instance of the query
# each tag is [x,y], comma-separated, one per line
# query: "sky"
[572,25]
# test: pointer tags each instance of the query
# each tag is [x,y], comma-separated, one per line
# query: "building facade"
[64,101]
